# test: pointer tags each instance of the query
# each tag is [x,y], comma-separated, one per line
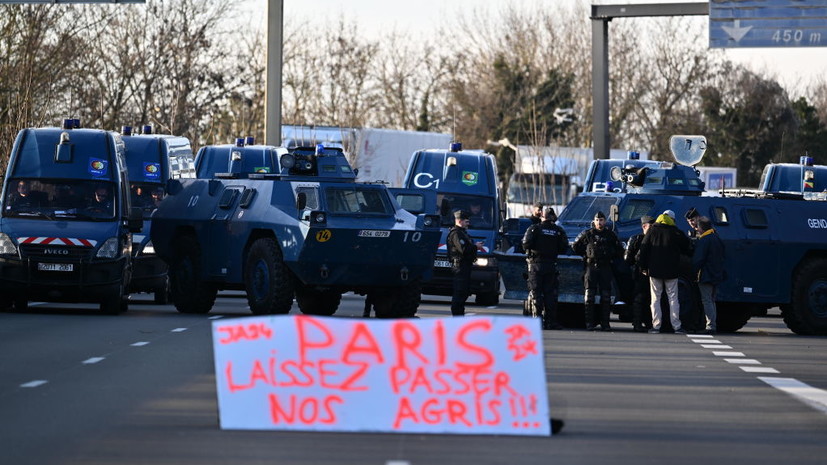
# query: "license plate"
[55,267]
[373,233]
[442,264]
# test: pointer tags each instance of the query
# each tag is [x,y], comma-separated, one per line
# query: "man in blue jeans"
[708,267]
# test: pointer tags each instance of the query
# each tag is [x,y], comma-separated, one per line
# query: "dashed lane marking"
[816,398]
[721,353]
[90,361]
[759,370]
[178,330]
[34,384]
[215,317]
[139,344]
[742,361]
[715,346]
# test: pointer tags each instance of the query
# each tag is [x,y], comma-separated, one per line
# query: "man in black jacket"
[708,265]
[660,257]
[640,302]
[543,243]
[462,252]
[598,246]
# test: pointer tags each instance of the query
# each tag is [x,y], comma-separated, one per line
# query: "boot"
[604,318]
[590,317]
[550,321]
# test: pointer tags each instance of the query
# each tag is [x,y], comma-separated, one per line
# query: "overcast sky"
[791,66]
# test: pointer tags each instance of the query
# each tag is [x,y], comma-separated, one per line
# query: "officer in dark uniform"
[640,302]
[462,251]
[543,242]
[599,246]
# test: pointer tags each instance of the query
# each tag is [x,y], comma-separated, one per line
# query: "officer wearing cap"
[641,317]
[598,246]
[462,252]
[543,242]
[691,217]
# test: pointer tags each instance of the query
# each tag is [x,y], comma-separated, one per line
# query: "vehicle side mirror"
[135,221]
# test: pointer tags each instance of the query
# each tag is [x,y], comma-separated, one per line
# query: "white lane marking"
[702,336]
[215,317]
[743,361]
[35,383]
[92,360]
[715,346]
[139,344]
[707,341]
[178,330]
[759,369]
[816,398]
[719,353]
[397,462]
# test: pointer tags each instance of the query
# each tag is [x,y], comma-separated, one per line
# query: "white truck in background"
[378,154]
[551,175]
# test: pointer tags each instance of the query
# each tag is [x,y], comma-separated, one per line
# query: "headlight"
[149,249]
[7,246]
[110,249]
[488,261]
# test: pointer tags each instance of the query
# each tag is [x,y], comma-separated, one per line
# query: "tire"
[321,303]
[114,303]
[732,316]
[487,299]
[162,294]
[267,279]
[21,304]
[398,303]
[807,315]
[189,292]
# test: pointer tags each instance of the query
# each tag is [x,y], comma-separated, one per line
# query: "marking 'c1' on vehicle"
[324,235]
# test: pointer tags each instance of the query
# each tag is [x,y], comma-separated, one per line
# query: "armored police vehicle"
[151,160]
[307,230]
[65,224]
[463,180]
[776,252]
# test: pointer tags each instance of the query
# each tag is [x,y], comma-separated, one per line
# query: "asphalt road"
[77,387]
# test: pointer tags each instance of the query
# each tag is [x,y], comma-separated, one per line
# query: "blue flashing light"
[126,130]
[239,142]
[610,186]
[147,129]
[456,146]
[806,161]
[319,149]
[633,155]
[68,123]
[249,140]
[76,123]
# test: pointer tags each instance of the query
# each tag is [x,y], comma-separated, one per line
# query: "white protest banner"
[473,375]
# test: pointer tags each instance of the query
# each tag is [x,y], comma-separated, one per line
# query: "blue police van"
[463,180]
[152,159]
[65,220]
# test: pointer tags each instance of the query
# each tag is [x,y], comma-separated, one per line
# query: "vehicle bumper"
[87,282]
[484,280]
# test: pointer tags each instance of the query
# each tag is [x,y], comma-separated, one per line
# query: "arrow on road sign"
[736,32]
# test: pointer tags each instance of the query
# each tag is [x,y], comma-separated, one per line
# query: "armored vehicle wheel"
[188,291]
[398,303]
[487,299]
[267,279]
[162,293]
[808,313]
[732,316]
[115,303]
[313,302]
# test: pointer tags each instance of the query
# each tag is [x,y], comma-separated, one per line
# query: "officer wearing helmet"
[462,252]
[543,242]
[599,247]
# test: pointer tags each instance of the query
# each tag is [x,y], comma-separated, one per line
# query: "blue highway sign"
[767,23]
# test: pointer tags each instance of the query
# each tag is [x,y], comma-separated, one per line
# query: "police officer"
[599,246]
[640,302]
[462,251]
[542,243]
